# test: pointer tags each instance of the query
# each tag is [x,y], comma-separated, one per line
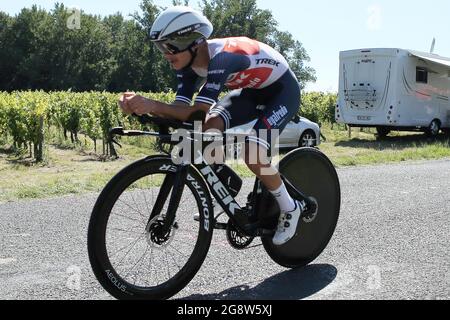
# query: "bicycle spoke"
[134,243]
[126,231]
[129,206]
[167,264]
[134,200]
[123,216]
[136,263]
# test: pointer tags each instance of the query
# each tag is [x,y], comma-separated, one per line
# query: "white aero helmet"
[179,28]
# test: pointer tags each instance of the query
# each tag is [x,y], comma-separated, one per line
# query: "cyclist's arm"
[178,110]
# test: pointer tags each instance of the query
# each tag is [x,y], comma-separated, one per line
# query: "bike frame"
[238,215]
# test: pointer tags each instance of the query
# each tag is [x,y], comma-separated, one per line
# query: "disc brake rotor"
[155,235]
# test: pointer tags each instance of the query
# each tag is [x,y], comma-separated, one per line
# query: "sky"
[324,27]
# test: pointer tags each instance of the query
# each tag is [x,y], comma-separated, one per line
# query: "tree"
[6,51]
[232,18]
[296,55]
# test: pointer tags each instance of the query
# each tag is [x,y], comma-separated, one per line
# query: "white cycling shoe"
[287,224]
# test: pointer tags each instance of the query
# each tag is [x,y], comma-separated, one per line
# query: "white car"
[300,132]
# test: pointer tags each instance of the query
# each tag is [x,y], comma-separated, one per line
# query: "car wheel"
[433,129]
[308,139]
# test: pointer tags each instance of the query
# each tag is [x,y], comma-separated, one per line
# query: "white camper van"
[394,89]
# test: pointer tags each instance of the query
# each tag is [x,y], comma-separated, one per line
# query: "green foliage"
[22,117]
[319,107]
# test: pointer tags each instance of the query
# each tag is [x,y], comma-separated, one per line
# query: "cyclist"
[256,73]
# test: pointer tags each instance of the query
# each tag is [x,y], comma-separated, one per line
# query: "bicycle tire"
[104,271]
[312,172]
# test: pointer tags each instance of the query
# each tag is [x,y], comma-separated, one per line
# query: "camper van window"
[421,75]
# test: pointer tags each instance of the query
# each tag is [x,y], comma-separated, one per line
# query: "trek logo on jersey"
[277,116]
[268,61]
[252,78]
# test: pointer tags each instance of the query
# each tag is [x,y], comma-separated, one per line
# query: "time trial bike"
[152,225]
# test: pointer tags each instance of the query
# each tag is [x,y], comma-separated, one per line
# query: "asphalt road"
[391,242]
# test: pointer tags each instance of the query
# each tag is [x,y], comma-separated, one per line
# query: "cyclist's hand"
[136,104]
[123,102]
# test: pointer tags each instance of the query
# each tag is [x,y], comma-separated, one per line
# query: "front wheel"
[133,251]
[311,172]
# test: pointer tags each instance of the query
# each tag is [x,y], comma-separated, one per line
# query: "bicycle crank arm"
[265,233]
[300,196]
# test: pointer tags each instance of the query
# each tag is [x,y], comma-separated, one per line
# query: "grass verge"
[75,171]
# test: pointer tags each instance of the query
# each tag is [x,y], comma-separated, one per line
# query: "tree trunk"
[112,150]
[38,146]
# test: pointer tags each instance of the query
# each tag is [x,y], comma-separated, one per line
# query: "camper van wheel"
[434,128]
[382,132]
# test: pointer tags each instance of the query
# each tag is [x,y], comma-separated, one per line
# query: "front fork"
[176,183]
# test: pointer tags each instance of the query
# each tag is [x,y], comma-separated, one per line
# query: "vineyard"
[30,120]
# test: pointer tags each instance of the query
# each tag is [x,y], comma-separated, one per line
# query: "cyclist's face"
[178,61]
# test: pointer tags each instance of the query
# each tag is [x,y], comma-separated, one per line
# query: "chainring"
[236,239]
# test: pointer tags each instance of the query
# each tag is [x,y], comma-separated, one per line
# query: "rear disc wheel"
[311,172]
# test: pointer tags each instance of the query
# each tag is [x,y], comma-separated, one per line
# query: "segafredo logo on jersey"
[277,116]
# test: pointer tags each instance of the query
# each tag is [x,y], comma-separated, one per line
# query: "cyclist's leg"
[280,110]
[235,109]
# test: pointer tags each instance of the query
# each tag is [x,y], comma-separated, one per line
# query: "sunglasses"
[167,48]
[178,45]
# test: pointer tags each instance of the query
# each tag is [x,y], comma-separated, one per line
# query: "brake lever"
[116,132]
